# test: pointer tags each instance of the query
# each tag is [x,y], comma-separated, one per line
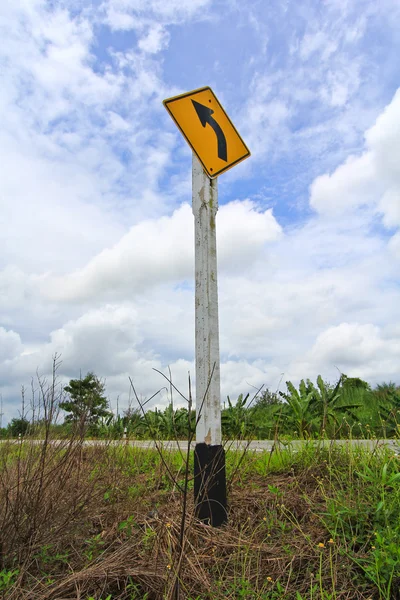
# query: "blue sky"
[96,252]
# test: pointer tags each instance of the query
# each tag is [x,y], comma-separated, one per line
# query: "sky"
[97,240]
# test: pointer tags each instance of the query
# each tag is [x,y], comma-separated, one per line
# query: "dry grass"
[104,523]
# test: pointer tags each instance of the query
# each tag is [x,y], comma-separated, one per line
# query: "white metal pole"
[205,207]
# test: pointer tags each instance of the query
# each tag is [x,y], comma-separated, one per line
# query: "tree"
[267,399]
[354,383]
[18,426]
[267,414]
[86,403]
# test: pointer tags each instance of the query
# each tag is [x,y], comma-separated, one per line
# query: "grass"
[103,523]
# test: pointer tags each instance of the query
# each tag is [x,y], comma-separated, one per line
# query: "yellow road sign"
[208,130]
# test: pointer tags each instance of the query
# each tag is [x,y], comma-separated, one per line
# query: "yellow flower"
[373,547]
[331,541]
[321,545]
[169,567]
[269,578]
[168,525]
[264,518]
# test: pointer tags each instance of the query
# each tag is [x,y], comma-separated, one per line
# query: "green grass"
[319,524]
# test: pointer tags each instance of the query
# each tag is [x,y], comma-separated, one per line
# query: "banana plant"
[236,418]
[166,423]
[326,407]
[325,404]
[388,396]
[173,423]
[298,405]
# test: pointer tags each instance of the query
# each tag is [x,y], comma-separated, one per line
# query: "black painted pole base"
[210,484]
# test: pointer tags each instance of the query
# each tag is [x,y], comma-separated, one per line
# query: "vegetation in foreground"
[115,522]
[105,523]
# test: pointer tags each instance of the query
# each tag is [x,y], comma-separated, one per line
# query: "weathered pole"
[209,467]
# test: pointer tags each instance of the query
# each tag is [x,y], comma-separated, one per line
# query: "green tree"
[354,383]
[86,403]
[18,426]
[267,415]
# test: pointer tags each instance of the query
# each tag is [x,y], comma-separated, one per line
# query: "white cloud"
[266,115]
[131,14]
[317,42]
[161,250]
[242,376]
[156,39]
[363,350]
[389,206]
[73,140]
[10,344]
[394,245]
[286,313]
[106,341]
[243,230]
[351,185]
[370,179]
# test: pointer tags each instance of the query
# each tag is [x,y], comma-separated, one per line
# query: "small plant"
[94,547]
[48,557]
[136,592]
[149,538]
[383,568]
[127,526]
[7,579]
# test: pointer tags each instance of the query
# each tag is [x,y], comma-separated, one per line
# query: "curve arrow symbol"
[204,113]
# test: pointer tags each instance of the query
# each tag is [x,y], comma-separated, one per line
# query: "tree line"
[347,408]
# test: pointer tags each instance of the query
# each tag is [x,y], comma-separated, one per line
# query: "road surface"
[253,445]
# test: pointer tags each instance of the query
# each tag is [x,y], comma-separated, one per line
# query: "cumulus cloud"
[371,179]
[65,147]
[160,250]
[10,344]
[363,350]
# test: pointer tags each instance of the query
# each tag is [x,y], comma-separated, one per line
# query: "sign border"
[193,93]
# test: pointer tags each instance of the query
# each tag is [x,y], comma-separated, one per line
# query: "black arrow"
[204,113]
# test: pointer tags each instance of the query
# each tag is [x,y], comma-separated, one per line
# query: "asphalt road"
[253,445]
[268,445]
